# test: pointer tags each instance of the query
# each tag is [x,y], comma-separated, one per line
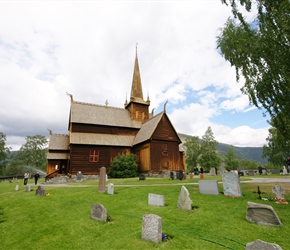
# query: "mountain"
[249,153]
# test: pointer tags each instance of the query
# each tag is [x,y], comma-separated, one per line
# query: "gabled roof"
[102,139]
[147,129]
[58,142]
[101,115]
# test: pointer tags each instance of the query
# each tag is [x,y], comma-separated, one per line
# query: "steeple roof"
[136,90]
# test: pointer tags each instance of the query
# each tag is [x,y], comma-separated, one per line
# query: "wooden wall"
[79,160]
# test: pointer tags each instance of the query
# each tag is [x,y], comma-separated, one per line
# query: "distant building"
[99,133]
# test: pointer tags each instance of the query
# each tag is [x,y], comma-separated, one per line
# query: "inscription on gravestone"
[231,184]
[152,228]
[102,180]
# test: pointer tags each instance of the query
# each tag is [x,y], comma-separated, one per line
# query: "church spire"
[136,90]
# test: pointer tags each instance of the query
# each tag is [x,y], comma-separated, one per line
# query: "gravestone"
[171,175]
[251,172]
[212,171]
[262,214]
[156,200]
[259,244]
[99,212]
[208,187]
[79,176]
[27,188]
[279,191]
[142,177]
[102,180]
[152,228]
[111,188]
[285,170]
[231,184]
[40,191]
[184,201]
[17,187]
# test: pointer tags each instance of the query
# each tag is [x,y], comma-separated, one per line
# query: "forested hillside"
[249,153]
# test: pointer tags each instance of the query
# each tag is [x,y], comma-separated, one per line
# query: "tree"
[209,157]
[278,148]
[193,147]
[4,153]
[230,159]
[33,152]
[259,50]
[124,166]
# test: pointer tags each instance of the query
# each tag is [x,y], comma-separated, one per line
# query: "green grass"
[62,220]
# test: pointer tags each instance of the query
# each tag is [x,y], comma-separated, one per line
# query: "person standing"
[36,177]
[26,176]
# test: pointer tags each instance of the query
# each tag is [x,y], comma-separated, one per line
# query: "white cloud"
[88,49]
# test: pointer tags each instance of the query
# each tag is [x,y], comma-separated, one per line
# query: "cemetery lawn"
[62,219]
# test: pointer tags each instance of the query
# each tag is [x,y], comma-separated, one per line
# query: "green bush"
[124,166]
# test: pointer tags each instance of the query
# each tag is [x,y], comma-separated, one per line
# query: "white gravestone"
[111,188]
[156,200]
[208,187]
[184,201]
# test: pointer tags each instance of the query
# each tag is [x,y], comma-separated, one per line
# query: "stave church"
[98,133]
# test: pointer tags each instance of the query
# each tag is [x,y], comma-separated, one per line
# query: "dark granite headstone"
[180,175]
[171,175]
[79,176]
[142,177]
[40,191]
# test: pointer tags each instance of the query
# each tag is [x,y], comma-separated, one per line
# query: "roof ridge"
[98,105]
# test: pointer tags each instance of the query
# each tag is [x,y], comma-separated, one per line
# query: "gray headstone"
[40,191]
[102,180]
[79,176]
[27,188]
[17,187]
[279,191]
[262,245]
[156,200]
[110,188]
[212,171]
[184,201]
[152,228]
[262,214]
[231,184]
[99,212]
[208,187]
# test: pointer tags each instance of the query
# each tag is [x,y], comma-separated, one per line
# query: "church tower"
[138,108]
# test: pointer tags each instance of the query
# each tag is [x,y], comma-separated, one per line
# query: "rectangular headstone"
[152,228]
[27,188]
[212,171]
[110,188]
[102,180]
[156,200]
[208,187]
[17,187]
[79,176]
[231,184]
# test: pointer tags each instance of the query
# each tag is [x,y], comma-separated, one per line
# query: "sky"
[87,49]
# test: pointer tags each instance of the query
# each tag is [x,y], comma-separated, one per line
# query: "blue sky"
[87,48]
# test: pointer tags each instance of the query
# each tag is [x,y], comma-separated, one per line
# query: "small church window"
[94,156]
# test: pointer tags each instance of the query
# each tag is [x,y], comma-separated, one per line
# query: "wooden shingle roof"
[101,115]
[58,142]
[147,129]
[101,139]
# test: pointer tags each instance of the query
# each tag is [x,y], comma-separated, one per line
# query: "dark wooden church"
[96,134]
